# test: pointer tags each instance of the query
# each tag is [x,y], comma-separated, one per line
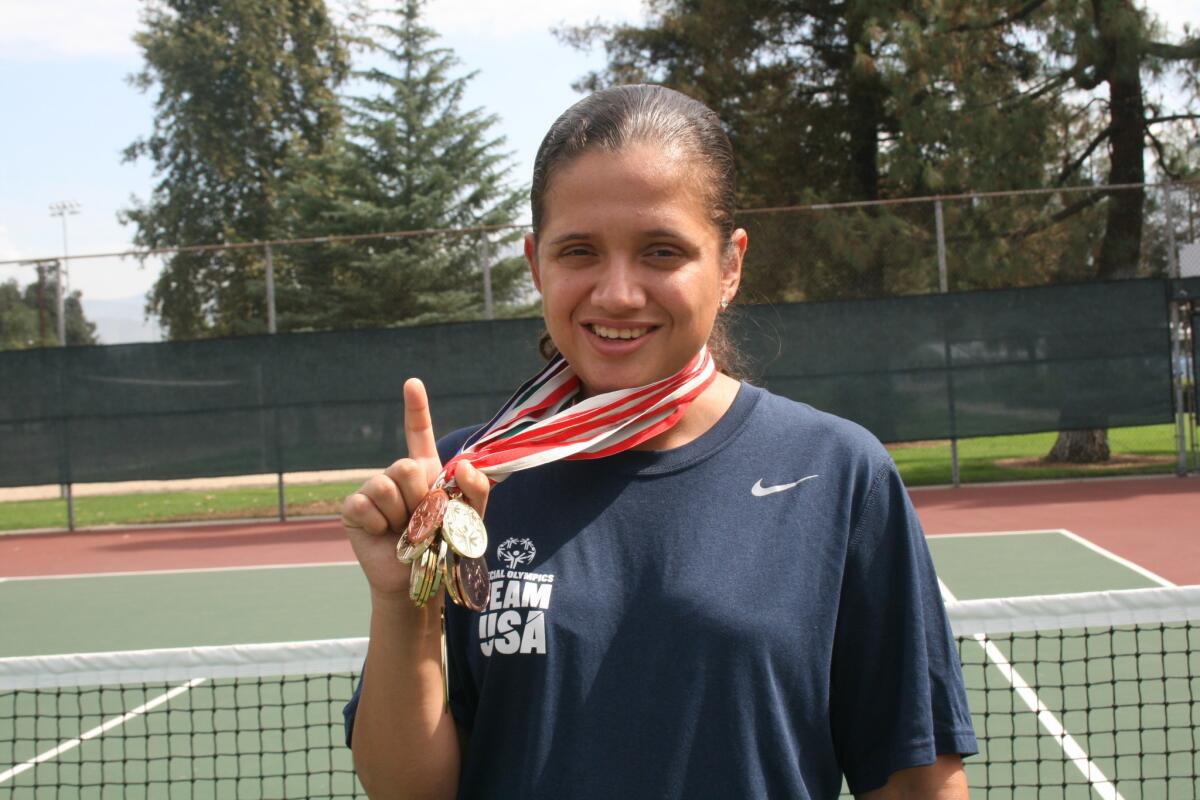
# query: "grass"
[1137,451]
[149,507]
[1145,450]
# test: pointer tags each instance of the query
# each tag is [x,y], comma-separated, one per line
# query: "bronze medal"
[463,530]
[426,517]
[475,584]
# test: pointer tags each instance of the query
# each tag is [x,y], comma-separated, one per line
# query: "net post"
[943,288]
[1177,373]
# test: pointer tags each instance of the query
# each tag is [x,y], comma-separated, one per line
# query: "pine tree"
[847,100]
[244,87]
[412,159]
[1112,44]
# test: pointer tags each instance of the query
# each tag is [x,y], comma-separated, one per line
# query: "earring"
[724,303]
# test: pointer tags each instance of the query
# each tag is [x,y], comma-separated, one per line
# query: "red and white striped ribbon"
[542,422]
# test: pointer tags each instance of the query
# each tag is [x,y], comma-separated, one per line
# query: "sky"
[68,111]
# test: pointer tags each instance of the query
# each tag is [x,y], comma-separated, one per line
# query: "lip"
[617,347]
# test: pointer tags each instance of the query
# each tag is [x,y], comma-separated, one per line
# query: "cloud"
[1174,14]
[51,30]
[514,18]
[8,250]
[37,30]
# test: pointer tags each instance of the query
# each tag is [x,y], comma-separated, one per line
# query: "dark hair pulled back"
[616,118]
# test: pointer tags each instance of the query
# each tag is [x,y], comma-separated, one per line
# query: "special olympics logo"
[515,552]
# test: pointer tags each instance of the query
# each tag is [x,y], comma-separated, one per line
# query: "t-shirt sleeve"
[897,697]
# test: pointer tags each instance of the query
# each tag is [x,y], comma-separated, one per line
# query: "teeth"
[618,333]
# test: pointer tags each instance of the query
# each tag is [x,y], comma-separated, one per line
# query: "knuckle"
[356,508]
[405,469]
[380,487]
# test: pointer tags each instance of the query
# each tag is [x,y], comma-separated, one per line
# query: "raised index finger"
[418,428]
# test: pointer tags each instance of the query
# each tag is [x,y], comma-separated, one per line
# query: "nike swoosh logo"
[758,490]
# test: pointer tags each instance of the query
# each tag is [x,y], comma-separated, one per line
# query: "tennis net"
[1089,695]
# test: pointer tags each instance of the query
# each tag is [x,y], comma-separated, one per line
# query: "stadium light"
[62,210]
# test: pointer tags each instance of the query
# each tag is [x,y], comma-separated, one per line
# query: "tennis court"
[1095,712]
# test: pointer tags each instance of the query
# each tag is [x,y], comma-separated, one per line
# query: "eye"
[576,251]
[663,254]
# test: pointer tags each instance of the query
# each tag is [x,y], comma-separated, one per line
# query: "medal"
[462,529]
[545,420]
[427,517]
[474,583]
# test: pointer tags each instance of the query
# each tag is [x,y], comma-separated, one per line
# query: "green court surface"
[975,566]
[277,737]
[182,609]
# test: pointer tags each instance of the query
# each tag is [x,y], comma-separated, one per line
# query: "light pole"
[61,210]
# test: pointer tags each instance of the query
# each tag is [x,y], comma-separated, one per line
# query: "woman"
[740,606]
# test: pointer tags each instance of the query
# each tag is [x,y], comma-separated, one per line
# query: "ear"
[531,259]
[731,272]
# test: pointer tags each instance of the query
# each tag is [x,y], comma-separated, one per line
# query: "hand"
[376,515]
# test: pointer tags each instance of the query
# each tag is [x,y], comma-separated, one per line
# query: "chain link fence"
[840,262]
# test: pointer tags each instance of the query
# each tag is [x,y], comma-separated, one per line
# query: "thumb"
[474,484]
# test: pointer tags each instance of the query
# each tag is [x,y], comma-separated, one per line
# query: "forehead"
[636,178]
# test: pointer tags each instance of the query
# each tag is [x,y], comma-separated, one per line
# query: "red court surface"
[242,544]
[1154,522]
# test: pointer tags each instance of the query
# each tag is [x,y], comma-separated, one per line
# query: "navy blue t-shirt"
[750,615]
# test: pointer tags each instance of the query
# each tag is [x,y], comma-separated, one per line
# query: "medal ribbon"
[545,421]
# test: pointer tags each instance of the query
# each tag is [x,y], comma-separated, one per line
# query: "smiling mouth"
[605,332]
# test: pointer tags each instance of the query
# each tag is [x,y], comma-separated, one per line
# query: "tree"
[845,100]
[19,324]
[1112,44]
[830,100]
[411,159]
[244,87]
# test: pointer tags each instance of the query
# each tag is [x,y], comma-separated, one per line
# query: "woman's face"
[630,266]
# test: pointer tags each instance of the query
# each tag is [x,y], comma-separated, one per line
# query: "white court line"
[1124,562]
[100,730]
[1079,757]
[991,533]
[1074,537]
[178,571]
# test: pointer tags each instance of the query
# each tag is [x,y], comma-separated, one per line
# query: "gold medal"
[462,529]
[424,579]
[408,552]
[445,668]
[449,568]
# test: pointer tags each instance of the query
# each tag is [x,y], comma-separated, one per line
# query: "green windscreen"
[928,367]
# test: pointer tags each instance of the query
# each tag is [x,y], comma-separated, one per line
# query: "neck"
[701,415]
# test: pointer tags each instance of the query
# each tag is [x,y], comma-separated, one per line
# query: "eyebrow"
[567,237]
[654,232]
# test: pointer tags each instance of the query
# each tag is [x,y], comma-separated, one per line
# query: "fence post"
[943,288]
[70,507]
[271,328]
[1177,374]
[270,289]
[488,311]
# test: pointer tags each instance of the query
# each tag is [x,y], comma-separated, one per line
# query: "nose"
[618,287]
